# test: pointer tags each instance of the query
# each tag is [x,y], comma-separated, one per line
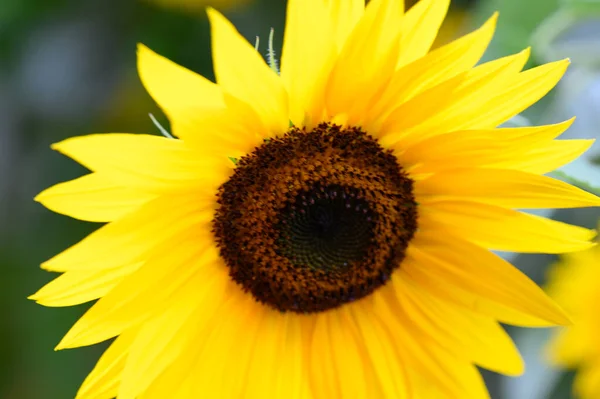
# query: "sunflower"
[575,283]
[323,230]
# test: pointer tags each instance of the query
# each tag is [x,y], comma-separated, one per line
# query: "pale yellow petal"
[128,240]
[94,198]
[159,283]
[307,56]
[366,62]
[80,286]
[503,229]
[502,187]
[420,28]
[241,71]
[150,163]
[104,380]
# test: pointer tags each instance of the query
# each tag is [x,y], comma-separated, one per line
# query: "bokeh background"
[67,67]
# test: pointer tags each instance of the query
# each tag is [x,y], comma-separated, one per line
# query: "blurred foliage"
[563,387]
[517,21]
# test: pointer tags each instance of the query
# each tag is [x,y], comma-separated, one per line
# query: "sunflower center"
[326,228]
[313,220]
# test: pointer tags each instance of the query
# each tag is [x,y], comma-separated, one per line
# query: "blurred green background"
[67,67]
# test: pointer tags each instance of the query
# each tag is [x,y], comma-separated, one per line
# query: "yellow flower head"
[575,284]
[325,231]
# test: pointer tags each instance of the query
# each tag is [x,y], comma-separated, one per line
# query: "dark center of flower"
[313,220]
[327,228]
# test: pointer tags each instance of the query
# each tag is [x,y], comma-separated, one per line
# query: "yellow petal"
[213,373]
[545,157]
[165,337]
[158,284]
[269,351]
[129,239]
[571,346]
[517,94]
[474,269]
[93,197]
[282,370]
[503,229]
[103,382]
[199,112]
[366,61]
[177,90]
[505,188]
[432,368]
[180,378]
[151,163]
[322,373]
[337,368]
[587,382]
[241,71]
[80,286]
[484,147]
[469,336]
[307,56]
[431,70]
[344,15]
[465,299]
[434,111]
[420,28]
[387,364]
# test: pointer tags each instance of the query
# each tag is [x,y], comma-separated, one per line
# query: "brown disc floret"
[312,220]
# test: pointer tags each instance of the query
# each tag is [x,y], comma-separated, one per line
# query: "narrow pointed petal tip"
[60,145]
[493,19]
[34,297]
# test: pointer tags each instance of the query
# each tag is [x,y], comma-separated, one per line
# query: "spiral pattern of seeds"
[312,220]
